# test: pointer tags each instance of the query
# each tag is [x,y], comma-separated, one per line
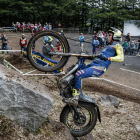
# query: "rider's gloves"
[80,66]
[103,57]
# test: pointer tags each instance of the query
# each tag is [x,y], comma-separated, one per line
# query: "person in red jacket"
[23,42]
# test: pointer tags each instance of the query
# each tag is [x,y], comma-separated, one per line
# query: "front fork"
[76,114]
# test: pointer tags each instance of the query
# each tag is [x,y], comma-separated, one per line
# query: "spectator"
[103,33]
[50,27]
[138,50]
[94,33]
[128,39]
[105,39]
[58,45]
[133,46]
[81,38]
[13,25]
[23,26]
[95,43]
[125,46]
[39,26]
[18,25]
[121,31]
[4,42]
[62,33]
[32,26]
[33,42]
[35,30]
[46,26]
[28,25]
[36,24]
[23,42]
[59,25]
[48,41]
[101,39]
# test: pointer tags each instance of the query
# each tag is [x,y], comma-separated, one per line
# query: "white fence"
[2,29]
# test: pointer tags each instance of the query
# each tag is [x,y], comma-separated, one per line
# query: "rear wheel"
[47,62]
[82,124]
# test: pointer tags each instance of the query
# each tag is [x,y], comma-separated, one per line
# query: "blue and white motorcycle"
[80,119]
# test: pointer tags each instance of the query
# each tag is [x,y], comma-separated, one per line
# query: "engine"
[66,86]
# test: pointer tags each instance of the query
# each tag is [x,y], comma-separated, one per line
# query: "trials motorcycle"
[80,119]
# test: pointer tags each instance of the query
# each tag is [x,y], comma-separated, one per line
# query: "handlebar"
[71,54]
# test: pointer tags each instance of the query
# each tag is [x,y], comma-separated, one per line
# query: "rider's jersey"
[95,43]
[47,39]
[114,51]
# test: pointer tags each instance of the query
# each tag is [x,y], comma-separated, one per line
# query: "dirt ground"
[117,123]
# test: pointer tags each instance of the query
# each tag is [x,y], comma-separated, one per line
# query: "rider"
[47,41]
[113,52]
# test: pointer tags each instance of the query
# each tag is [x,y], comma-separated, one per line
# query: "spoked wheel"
[41,58]
[80,123]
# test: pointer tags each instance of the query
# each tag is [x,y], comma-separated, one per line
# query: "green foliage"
[76,13]
[6,126]
[7,65]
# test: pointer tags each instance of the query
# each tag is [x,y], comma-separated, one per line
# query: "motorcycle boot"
[74,99]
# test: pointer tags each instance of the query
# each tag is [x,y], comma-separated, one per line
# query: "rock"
[110,100]
[59,126]
[94,97]
[86,137]
[138,128]
[26,104]
[120,105]
[120,111]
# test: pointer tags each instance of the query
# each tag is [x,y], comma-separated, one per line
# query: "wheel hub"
[79,120]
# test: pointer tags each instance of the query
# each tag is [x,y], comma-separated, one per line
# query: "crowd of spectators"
[102,38]
[131,46]
[30,26]
[99,39]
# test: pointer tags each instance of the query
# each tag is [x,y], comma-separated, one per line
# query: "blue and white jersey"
[81,38]
[95,43]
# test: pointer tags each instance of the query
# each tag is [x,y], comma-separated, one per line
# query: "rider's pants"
[88,72]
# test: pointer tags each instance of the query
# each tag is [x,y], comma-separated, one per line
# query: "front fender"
[85,98]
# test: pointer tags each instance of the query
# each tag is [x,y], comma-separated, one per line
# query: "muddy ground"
[117,123]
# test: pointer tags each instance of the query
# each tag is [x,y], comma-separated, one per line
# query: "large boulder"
[110,100]
[22,100]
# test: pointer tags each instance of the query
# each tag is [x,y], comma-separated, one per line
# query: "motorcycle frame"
[83,97]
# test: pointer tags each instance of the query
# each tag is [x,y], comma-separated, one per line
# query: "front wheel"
[82,122]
